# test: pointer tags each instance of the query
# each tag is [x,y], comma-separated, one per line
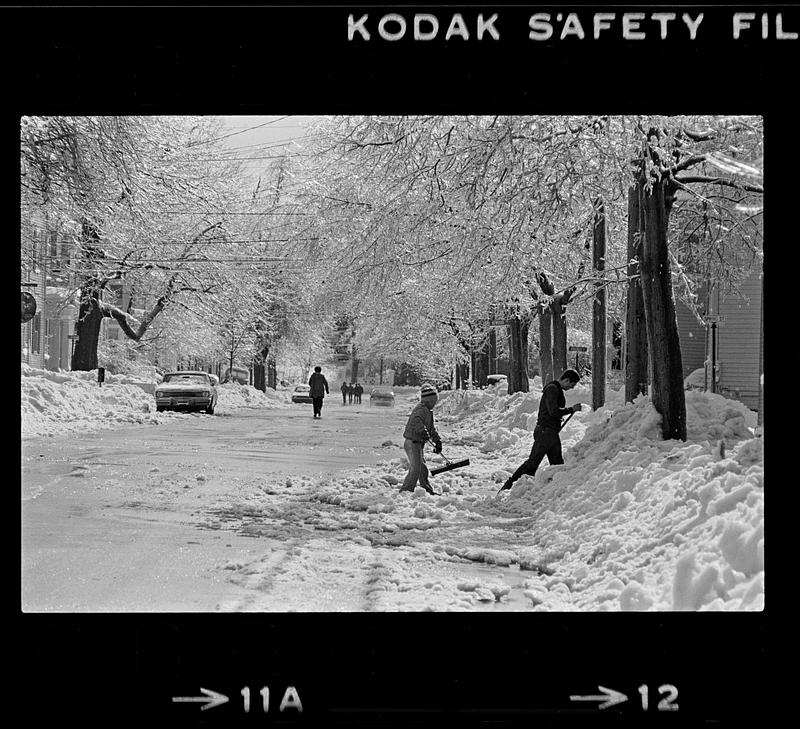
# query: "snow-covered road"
[263,508]
[152,518]
[230,513]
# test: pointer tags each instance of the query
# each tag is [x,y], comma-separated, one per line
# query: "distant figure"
[546,441]
[358,391]
[420,428]
[319,386]
[344,393]
[350,392]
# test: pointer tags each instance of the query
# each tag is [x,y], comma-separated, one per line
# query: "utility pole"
[599,307]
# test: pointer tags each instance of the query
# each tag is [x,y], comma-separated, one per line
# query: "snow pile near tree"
[56,403]
[644,523]
[629,522]
[233,396]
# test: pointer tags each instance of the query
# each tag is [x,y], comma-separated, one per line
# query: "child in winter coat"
[420,428]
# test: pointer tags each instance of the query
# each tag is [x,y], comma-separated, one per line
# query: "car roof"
[302,387]
[188,372]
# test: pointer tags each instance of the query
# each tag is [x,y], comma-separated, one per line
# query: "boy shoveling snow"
[420,428]
[546,441]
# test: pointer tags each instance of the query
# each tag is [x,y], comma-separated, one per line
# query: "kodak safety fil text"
[564,26]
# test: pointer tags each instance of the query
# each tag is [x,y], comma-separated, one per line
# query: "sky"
[263,138]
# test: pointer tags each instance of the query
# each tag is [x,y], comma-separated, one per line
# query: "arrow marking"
[609,697]
[211,699]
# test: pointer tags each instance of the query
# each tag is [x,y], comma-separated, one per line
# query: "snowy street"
[263,508]
[180,518]
[149,518]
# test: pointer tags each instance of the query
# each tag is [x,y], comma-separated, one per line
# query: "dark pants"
[317,403]
[545,443]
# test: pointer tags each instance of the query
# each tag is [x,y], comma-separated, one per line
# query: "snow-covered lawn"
[629,522]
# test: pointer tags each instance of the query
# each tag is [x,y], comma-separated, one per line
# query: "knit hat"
[427,390]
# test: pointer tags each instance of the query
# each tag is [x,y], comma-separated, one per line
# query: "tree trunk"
[559,332]
[272,373]
[87,328]
[635,329]
[492,351]
[260,370]
[482,365]
[599,308]
[662,331]
[518,351]
[462,375]
[90,314]
[546,344]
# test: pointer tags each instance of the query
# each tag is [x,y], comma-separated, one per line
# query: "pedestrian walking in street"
[358,392]
[344,393]
[319,388]
[546,441]
[420,428]
[350,391]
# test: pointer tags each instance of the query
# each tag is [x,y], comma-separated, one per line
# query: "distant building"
[45,260]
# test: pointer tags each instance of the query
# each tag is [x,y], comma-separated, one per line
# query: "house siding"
[692,336]
[739,349]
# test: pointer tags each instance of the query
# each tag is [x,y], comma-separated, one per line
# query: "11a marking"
[290,700]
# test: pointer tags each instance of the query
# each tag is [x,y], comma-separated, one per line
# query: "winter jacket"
[420,420]
[551,406]
[318,385]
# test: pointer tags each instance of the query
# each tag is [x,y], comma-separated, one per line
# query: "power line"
[242,131]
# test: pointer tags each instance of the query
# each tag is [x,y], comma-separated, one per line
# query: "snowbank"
[629,522]
[55,403]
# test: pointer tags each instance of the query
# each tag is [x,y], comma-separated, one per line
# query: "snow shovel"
[449,466]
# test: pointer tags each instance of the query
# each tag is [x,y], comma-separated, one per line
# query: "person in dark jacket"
[420,428]
[546,441]
[358,391]
[319,387]
[344,393]
[351,388]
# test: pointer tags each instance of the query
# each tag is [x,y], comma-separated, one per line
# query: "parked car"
[494,379]
[236,374]
[382,396]
[214,379]
[186,390]
[301,393]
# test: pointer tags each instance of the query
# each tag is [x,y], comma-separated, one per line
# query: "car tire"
[159,408]
[210,410]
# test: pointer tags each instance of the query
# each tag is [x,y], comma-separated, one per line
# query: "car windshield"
[302,388]
[383,392]
[182,379]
